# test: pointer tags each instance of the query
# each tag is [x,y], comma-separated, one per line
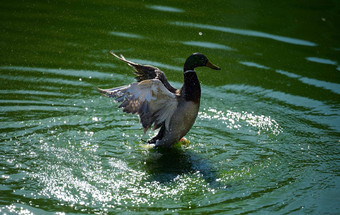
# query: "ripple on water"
[334,87]
[62,72]
[87,156]
[165,8]
[157,64]
[319,112]
[126,35]
[247,33]
[321,60]
[209,45]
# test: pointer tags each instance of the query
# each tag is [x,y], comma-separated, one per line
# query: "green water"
[266,139]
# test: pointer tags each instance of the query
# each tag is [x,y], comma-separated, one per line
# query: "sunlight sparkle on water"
[233,120]
[90,184]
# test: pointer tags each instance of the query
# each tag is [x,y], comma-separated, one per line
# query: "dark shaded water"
[266,139]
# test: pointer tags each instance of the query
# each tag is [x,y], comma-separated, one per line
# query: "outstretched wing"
[150,99]
[146,72]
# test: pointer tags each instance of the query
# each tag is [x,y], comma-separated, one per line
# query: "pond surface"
[266,140]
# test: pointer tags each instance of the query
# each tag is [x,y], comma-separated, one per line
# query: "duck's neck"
[191,89]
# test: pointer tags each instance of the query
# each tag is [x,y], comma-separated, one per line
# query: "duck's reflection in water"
[164,165]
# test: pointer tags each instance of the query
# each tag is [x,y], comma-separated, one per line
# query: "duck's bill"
[212,66]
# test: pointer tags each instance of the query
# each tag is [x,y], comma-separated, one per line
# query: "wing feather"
[146,72]
[150,99]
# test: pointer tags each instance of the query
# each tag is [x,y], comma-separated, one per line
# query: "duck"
[159,104]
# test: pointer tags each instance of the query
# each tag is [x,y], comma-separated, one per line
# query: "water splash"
[237,120]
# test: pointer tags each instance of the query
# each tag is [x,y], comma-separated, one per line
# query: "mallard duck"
[160,105]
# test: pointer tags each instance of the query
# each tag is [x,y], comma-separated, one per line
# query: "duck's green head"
[197,60]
